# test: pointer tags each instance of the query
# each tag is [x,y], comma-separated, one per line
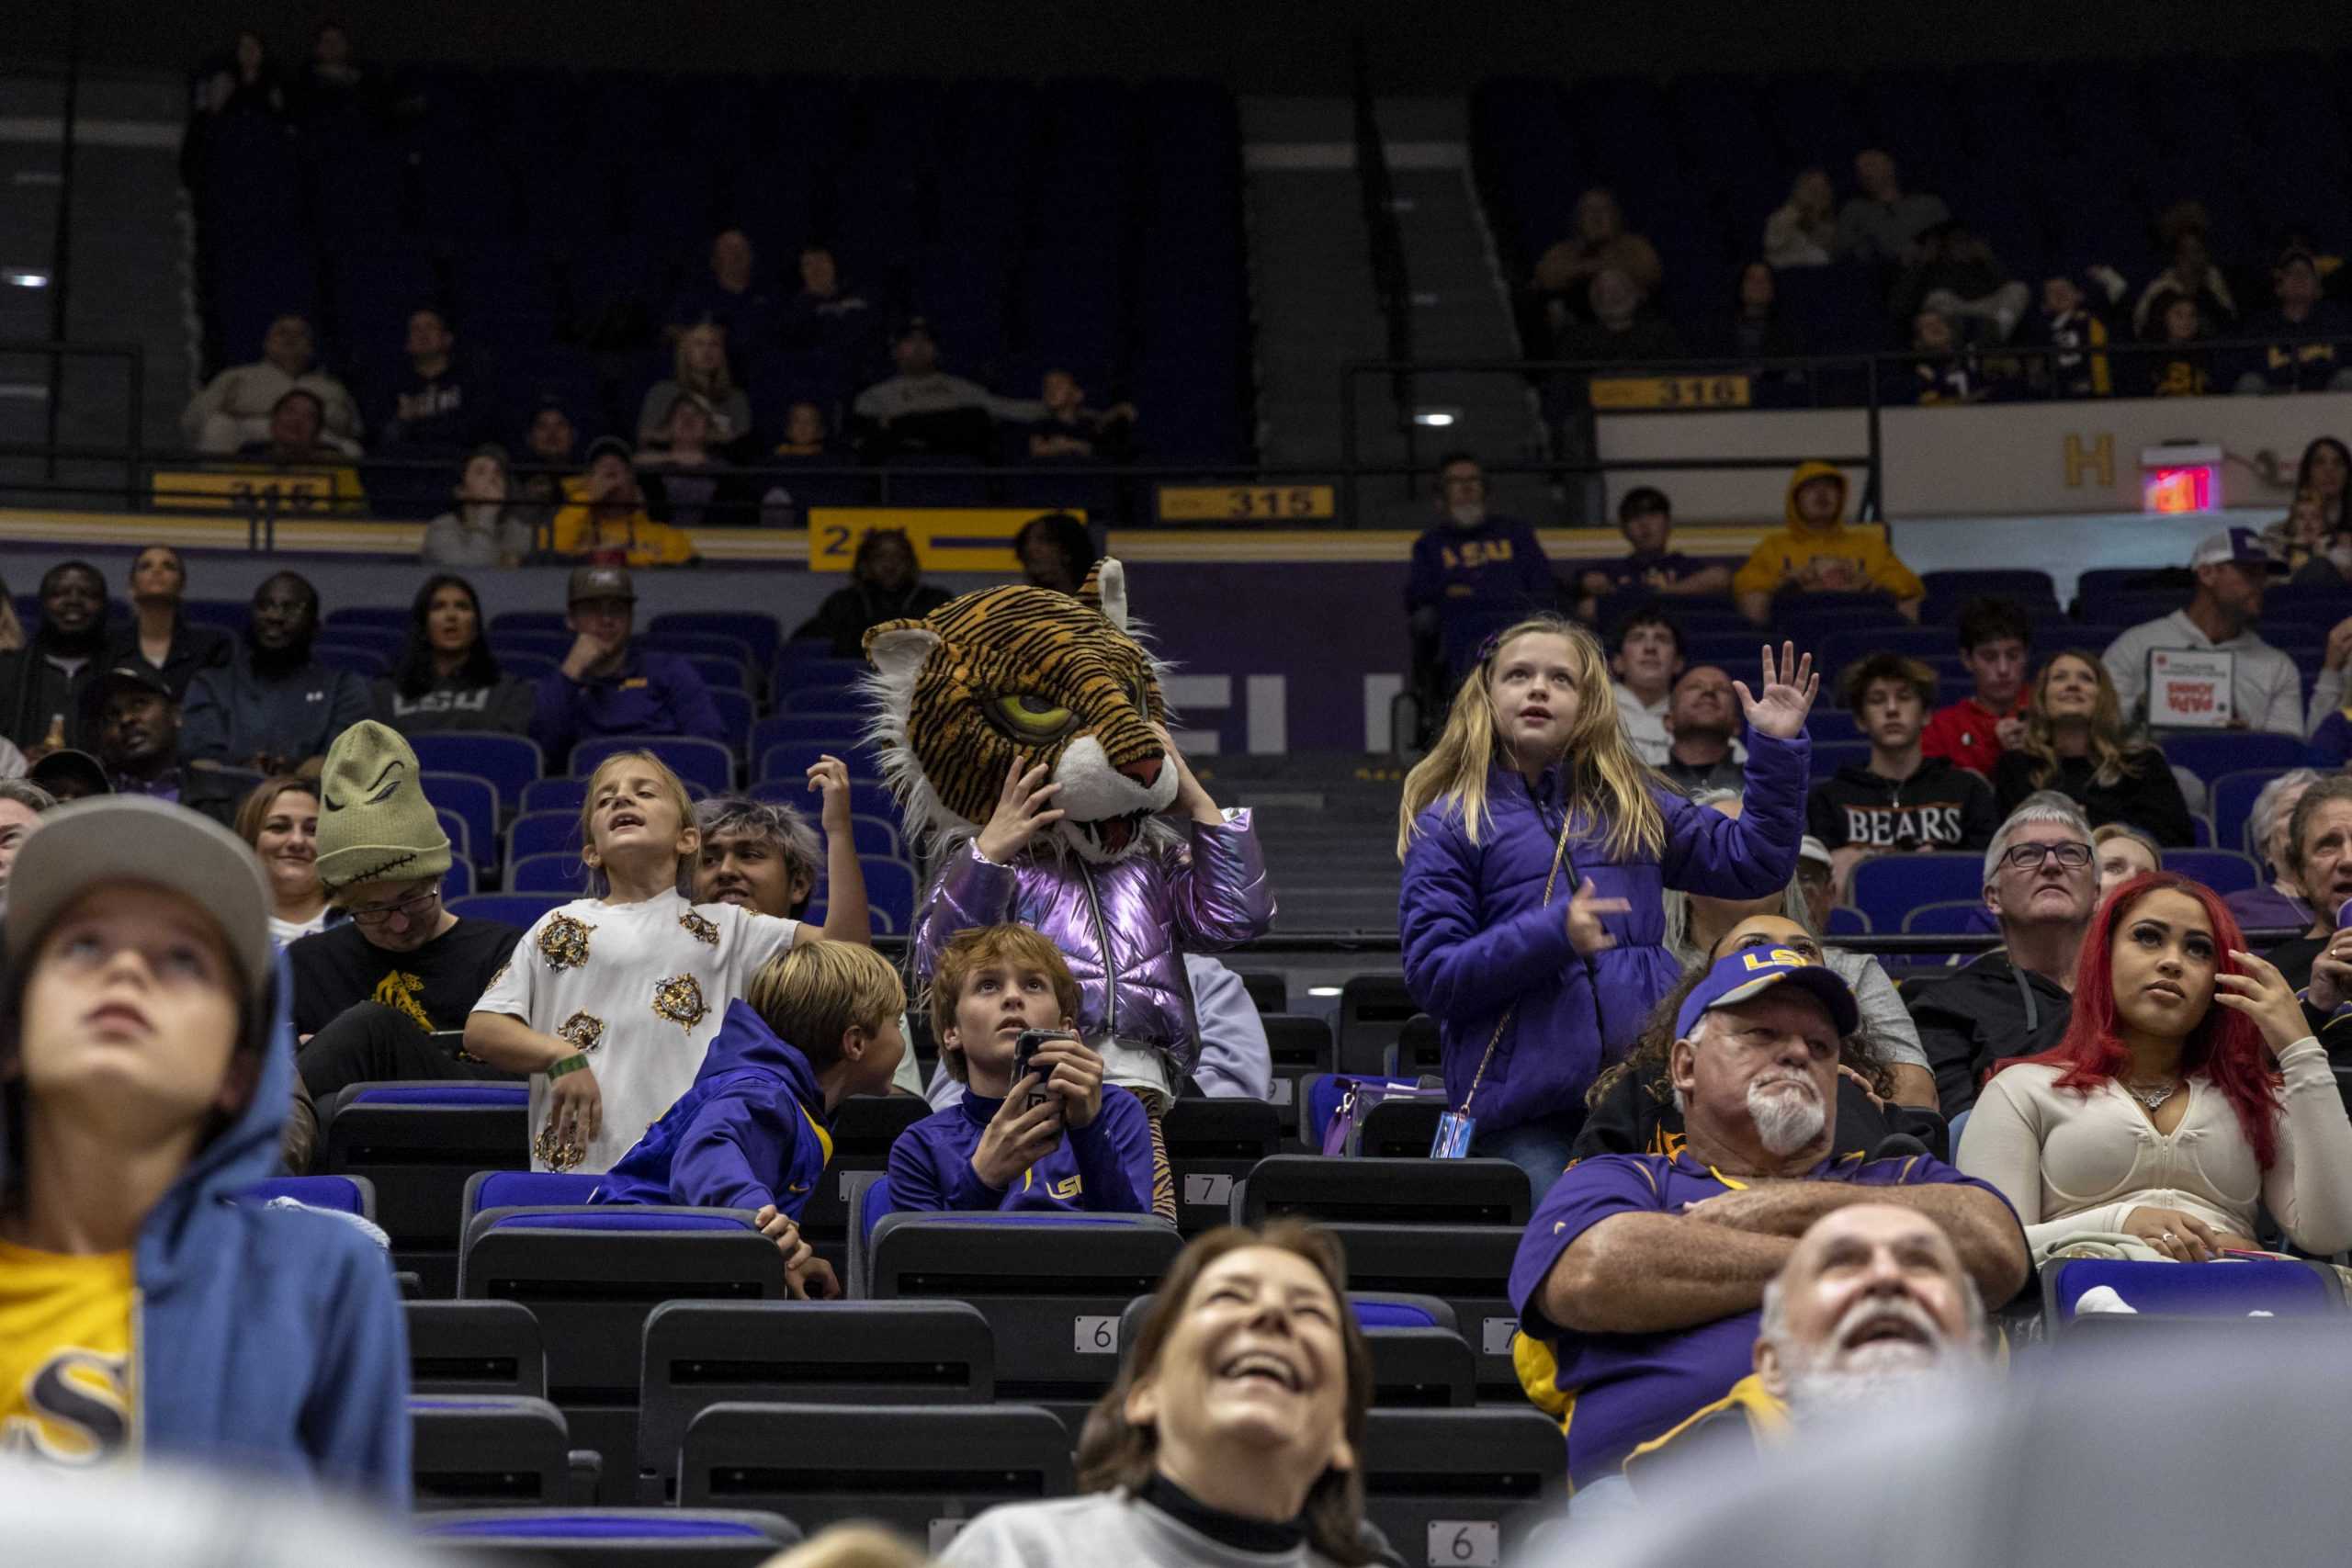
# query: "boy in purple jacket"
[753,1131]
[1083,1148]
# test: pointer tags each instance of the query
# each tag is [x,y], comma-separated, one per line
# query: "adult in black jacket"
[2041,884]
[158,636]
[2075,743]
[41,683]
[883,586]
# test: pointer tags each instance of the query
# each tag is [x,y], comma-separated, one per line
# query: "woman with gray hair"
[2278,905]
[2318,847]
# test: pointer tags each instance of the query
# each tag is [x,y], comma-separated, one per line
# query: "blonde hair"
[671,784]
[1607,785]
[813,994]
[717,383]
[1017,946]
[851,1546]
[2112,749]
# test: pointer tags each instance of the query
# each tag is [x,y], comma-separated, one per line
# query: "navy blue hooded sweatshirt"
[268,1340]
[750,1132]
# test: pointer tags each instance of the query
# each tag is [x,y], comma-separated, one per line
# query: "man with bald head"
[1702,719]
[1871,1301]
[1641,1278]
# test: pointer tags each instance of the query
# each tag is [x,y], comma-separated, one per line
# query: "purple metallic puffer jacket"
[1123,928]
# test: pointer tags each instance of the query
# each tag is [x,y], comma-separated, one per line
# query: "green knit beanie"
[374,821]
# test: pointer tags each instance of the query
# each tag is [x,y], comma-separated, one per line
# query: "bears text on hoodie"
[1939,807]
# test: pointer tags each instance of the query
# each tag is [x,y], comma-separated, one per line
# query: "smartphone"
[1023,1050]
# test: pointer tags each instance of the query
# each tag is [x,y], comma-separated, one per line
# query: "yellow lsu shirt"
[65,1393]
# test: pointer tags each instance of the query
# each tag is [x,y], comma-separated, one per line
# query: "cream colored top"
[2072,1165]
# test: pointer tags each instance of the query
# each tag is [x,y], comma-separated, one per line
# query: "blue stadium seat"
[517,909]
[548,623]
[1032,1276]
[2228,751]
[835,732]
[1459,1478]
[461,834]
[1321,1097]
[508,761]
[1886,887]
[700,1354]
[464,1348]
[759,634]
[795,674]
[615,1537]
[542,833]
[475,798]
[793,759]
[509,1448]
[906,1467]
[735,712]
[821,699]
[1828,759]
[1847,920]
[2162,1292]
[393,618]
[866,798]
[344,1194]
[705,762]
[1956,916]
[559,871]
[719,672]
[877,837]
[2233,796]
[2223,871]
[418,1144]
[566,794]
[591,1275]
[891,888]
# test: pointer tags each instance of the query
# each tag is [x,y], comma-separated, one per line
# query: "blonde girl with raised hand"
[610,1001]
[1536,846]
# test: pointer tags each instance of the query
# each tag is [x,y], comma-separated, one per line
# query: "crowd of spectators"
[1975,330]
[1617,866]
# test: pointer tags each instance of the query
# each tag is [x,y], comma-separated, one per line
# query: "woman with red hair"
[2159,1121]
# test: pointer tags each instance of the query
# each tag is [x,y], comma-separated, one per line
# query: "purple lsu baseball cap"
[1750,973]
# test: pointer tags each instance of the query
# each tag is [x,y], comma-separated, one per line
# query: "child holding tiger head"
[1536,846]
[610,1001]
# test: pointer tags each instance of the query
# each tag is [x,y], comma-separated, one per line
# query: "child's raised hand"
[1586,933]
[829,777]
[1788,689]
[1022,813]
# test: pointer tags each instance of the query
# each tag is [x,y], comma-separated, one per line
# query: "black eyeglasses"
[2073,854]
[414,904]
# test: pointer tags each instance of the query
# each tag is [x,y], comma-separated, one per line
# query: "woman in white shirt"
[2158,1124]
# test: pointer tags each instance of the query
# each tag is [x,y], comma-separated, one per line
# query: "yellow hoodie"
[1838,558]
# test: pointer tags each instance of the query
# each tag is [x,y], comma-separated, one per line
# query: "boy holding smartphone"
[1080,1147]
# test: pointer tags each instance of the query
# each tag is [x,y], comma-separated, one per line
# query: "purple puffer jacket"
[1476,937]
[1123,927]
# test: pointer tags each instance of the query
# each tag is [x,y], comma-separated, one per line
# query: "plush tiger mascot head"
[1022,672]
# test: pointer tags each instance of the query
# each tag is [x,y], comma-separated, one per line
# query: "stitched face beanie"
[374,821]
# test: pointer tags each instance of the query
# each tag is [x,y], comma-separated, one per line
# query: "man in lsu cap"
[144,1080]
[2265,691]
[606,685]
[1640,1276]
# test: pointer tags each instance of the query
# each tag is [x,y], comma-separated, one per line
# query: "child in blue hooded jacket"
[755,1132]
[145,1074]
[1536,848]
[1084,1147]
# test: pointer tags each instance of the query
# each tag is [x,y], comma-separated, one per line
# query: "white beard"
[1875,1371]
[1785,1123]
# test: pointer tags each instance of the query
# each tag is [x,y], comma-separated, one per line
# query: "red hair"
[2225,1045]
